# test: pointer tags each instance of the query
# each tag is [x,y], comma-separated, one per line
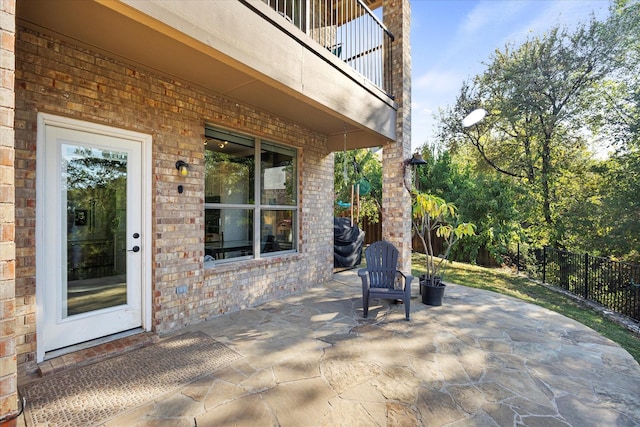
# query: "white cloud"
[487,15]
[557,13]
[486,21]
[439,81]
[422,111]
[477,19]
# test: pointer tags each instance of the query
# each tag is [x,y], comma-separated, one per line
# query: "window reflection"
[278,175]
[276,230]
[95,186]
[229,233]
[231,180]
[229,170]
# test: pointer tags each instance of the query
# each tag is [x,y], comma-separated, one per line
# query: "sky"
[450,40]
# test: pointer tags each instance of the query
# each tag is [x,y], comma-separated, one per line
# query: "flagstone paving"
[480,359]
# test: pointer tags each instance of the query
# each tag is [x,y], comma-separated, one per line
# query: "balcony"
[319,73]
[348,29]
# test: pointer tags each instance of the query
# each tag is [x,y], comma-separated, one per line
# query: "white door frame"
[145,140]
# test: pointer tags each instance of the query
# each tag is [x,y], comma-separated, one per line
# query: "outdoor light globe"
[183,168]
[474,117]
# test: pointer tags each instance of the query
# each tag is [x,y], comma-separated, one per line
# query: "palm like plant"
[432,213]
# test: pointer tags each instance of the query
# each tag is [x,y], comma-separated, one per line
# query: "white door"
[90,270]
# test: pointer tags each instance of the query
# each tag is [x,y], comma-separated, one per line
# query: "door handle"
[134,249]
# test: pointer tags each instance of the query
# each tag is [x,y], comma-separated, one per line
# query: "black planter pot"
[431,295]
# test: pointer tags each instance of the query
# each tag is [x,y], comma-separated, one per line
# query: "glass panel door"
[96,206]
[92,241]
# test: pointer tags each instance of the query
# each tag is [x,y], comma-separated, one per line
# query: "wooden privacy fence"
[373,233]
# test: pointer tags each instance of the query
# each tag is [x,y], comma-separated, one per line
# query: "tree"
[431,214]
[619,123]
[482,197]
[358,167]
[539,96]
[620,210]
[618,104]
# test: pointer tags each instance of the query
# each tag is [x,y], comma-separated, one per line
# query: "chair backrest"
[382,261]
[213,237]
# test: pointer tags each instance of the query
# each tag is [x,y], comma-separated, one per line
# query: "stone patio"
[480,359]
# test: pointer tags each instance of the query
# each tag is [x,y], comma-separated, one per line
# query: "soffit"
[122,32]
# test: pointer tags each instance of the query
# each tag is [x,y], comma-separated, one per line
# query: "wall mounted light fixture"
[416,160]
[183,167]
[413,161]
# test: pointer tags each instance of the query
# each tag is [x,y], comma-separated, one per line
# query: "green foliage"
[482,197]
[616,109]
[430,214]
[353,167]
[550,101]
[620,207]
[534,94]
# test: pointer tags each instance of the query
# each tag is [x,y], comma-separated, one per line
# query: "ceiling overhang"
[118,30]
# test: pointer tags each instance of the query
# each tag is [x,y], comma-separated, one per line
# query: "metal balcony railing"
[349,30]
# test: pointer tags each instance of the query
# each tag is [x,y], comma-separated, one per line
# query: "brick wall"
[8,368]
[396,205]
[59,78]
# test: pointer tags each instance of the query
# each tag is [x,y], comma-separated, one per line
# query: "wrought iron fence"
[615,285]
[90,259]
[349,30]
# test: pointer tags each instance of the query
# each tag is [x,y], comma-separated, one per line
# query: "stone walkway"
[481,359]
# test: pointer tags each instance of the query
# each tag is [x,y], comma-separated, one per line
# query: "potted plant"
[432,214]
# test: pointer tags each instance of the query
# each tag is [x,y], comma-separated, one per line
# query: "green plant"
[431,213]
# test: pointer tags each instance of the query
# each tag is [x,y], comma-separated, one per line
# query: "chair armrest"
[407,280]
[364,277]
[407,277]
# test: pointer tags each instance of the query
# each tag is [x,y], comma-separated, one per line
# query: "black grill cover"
[347,243]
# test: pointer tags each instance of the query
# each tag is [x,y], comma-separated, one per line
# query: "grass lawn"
[519,286]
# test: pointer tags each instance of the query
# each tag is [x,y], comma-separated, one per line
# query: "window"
[249,211]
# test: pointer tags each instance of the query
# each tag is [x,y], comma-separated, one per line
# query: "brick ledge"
[95,354]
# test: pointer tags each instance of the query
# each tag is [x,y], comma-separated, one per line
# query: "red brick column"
[8,368]
[396,200]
